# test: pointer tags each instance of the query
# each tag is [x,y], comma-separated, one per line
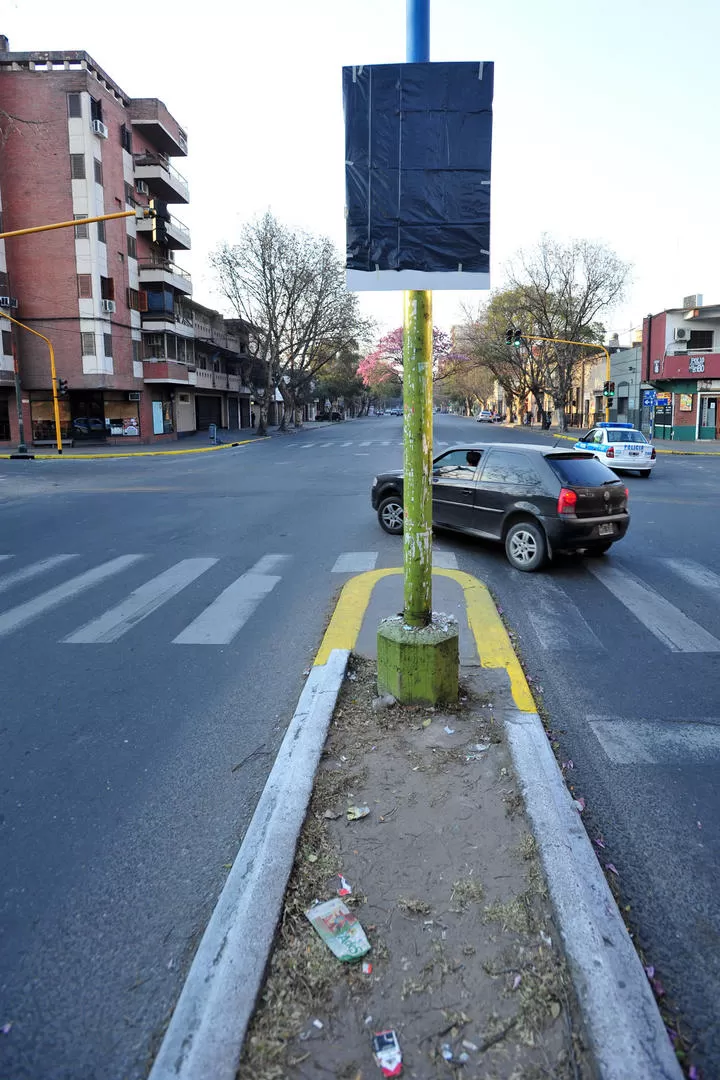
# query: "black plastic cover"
[417,166]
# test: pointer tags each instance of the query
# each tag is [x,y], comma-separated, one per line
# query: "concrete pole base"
[419,665]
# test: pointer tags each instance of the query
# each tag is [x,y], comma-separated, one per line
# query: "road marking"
[657,614]
[355,562]
[140,603]
[225,617]
[346,443]
[442,443]
[445,560]
[366,443]
[323,445]
[306,445]
[658,742]
[18,616]
[269,563]
[559,626]
[385,442]
[5,556]
[694,573]
[31,571]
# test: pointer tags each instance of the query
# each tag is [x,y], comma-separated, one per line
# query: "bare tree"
[290,285]
[560,292]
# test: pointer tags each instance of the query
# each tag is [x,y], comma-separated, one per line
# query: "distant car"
[485,416]
[87,426]
[536,500]
[621,446]
[395,412]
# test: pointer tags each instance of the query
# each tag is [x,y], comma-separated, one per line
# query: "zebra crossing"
[561,613]
[438,444]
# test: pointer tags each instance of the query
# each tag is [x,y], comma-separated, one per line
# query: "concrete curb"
[205,1035]
[625,1030]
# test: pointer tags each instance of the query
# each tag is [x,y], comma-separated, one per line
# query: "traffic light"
[606,389]
[62,385]
[160,217]
[509,335]
[611,390]
[513,337]
[517,339]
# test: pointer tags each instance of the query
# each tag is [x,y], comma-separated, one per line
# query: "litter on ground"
[339,929]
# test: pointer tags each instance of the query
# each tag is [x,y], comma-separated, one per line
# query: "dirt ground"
[447,885]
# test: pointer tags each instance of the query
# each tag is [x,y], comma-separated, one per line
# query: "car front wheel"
[390,515]
[525,546]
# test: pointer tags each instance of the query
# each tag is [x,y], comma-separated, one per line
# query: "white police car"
[621,446]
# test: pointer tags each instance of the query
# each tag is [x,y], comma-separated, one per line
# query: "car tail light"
[653,455]
[610,452]
[627,493]
[567,501]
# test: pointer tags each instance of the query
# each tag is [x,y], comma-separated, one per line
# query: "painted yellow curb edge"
[139,453]
[493,644]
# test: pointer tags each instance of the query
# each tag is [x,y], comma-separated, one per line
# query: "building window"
[88,343]
[130,195]
[101,231]
[107,339]
[171,347]
[97,165]
[133,299]
[107,288]
[136,350]
[132,246]
[74,105]
[4,281]
[126,138]
[81,231]
[95,109]
[154,345]
[77,166]
[700,339]
[84,282]
[7,343]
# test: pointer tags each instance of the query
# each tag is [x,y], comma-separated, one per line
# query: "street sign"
[417,175]
[649,397]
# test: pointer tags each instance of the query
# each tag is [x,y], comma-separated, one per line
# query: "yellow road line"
[139,453]
[493,644]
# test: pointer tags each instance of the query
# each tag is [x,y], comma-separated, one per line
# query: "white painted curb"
[206,1032]
[622,1022]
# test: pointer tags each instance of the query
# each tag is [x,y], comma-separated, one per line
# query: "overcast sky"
[605,119]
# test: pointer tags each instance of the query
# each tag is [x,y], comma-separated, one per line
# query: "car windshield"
[581,471]
[626,436]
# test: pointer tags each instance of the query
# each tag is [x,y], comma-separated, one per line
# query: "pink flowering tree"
[382,368]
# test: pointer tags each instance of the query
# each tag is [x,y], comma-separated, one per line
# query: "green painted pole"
[417,438]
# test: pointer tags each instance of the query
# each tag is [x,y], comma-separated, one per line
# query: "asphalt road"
[143,700]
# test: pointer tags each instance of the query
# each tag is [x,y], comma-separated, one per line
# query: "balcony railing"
[164,266]
[220,380]
[203,378]
[157,159]
[160,174]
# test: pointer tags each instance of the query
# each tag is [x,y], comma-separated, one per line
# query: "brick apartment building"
[142,361]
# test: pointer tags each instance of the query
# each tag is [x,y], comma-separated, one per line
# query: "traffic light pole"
[563,341]
[22,448]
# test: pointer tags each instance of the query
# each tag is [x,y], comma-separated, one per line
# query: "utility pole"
[417,394]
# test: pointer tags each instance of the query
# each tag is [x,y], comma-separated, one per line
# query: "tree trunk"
[264,402]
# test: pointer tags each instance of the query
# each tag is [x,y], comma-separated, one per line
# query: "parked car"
[536,500]
[485,416]
[621,446]
[87,427]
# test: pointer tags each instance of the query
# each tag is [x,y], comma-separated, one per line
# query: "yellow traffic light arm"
[144,212]
[583,345]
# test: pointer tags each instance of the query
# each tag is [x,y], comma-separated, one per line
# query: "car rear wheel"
[598,549]
[390,515]
[525,546]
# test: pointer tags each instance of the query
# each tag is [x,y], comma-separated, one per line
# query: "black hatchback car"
[536,500]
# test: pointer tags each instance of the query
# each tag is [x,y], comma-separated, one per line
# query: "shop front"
[5,416]
[42,417]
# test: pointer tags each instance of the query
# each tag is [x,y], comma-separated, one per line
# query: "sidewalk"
[496,947]
[198,442]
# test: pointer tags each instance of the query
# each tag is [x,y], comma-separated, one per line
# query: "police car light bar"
[608,424]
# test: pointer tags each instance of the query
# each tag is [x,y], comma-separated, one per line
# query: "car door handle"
[467,491]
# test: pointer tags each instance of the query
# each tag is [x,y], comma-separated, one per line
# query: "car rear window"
[580,471]
[626,436]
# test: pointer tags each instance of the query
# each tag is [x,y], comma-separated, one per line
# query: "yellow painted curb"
[138,453]
[492,642]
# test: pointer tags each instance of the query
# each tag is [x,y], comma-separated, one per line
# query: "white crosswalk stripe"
[5,557]
[695,574]
[346,444]
[366,443]
[556,620]
[658,742]
[34,570]
[225,617]
[355,562]
[19,616]
[140,603]
[657,614]
[444,560]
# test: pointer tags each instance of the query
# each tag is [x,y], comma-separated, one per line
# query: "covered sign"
[417,175]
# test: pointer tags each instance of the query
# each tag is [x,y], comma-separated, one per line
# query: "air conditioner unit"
[108,305]
[133,395]
[100,129]
[682,333]
[8,302]
[142,187]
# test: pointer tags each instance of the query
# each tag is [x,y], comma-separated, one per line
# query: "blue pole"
[418,31]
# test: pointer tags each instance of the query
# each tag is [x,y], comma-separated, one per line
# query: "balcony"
[177,235]
[204,379]
[161,178]
[220,381]
[164,272]
[164,371]
[151,119]
[234,382]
